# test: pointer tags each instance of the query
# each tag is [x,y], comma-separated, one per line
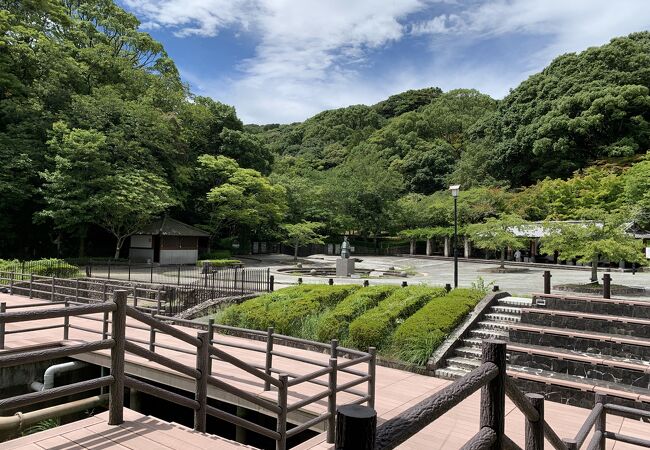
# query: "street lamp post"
[454,192]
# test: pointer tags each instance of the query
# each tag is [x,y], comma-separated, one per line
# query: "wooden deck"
[136,433]
[395,391]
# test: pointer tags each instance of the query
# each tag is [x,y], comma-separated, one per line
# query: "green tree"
[302,233]
[240,197]
[497,234]
[592,241]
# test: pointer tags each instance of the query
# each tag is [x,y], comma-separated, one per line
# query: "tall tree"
[497,234]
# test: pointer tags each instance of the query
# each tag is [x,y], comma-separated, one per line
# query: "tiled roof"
[172,227]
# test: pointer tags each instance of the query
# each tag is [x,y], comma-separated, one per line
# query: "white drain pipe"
[50,372]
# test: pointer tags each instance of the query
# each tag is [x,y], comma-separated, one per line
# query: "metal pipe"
[20,420]
[52,371]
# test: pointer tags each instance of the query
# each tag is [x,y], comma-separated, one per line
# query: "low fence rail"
[491,378]
[205,346]
[166,300]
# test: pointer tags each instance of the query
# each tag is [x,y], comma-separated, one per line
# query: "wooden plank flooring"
[396,391]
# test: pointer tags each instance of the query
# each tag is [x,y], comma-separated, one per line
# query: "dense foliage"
[98,132]
[406,323]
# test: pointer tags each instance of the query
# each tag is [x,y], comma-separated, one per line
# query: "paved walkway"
[440,272]
[396,390]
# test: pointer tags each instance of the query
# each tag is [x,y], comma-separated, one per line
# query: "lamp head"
[454,189]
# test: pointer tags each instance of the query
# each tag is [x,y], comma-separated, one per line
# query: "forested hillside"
[98,132]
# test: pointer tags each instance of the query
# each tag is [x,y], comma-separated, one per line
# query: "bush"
[217,254]
[374,327]
[219,262]
[418,336]
[286,309]
[44,267]
[335,322]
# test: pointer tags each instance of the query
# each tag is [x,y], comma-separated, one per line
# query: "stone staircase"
[494,326]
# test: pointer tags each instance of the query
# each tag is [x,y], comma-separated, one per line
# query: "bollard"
[366,283]
[356,427]
[495,288]
[271,283]
[547,281]
[607,286]
[448,287]
[404,284]
[331,281]
[300,280]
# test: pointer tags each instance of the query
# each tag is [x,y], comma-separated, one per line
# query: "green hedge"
[286,309]
[333,324]
[219,262]
[375,326]
[44,267]
[418,336]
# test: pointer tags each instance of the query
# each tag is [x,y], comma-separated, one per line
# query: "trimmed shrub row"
[416,338]
[52,267]
[333,324]
[286,309]
[375,326]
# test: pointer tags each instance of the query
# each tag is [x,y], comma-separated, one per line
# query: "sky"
[281,61]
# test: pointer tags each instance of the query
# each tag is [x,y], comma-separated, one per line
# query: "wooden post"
[334,344]
[76,290]
[152,336]
[547,281]
[52,293]
[269,356]
[372,371]
[116,399]
[271,282]
[178,278]
[607,286]
[331,401]
[571,444]
[601,422]
[331,281]
[31,284]
[158,301]
[151,273]
[66,323]
[535,430]
[11,283]
[3,309]
[281,428]
[210,338]
[201,395]
[356,428]
[135,297]
[493,394]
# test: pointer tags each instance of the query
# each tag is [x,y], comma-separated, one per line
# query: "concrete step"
[451,373]
[493,325]
[506,309]
[468,352]
[473,342]
[503,317]
[521,302]
[463,363]
[489,334]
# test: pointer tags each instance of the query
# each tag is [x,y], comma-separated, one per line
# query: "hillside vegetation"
[405,323]
[98,135]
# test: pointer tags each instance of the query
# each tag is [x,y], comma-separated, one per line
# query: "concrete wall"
[189,256]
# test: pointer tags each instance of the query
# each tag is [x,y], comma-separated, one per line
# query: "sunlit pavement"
[440,272]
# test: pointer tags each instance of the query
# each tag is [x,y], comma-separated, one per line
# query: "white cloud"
[309,53]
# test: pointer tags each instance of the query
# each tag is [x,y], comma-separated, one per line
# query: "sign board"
[647,252]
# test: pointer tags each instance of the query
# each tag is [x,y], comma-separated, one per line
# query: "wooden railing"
[206,348]
[490,377]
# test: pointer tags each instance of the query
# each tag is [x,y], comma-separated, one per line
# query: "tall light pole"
[454,192]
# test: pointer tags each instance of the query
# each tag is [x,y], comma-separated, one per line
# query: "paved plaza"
[440,271]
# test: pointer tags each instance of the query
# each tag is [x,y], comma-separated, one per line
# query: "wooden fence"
[490,377]
[204,346]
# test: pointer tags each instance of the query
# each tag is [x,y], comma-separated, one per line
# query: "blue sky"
[280,61]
